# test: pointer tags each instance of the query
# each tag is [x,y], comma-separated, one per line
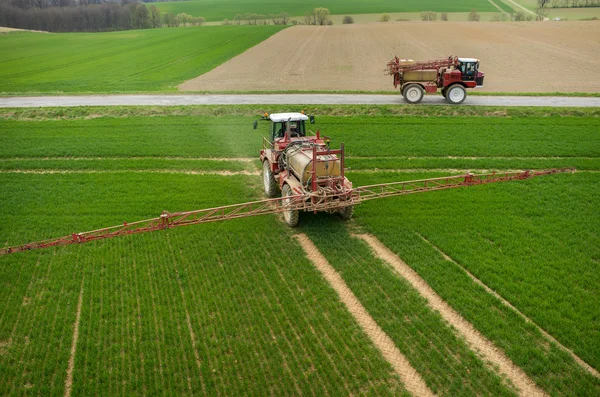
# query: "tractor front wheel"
[269,181]
[413,93]
[346,212]
[456,94]
[291,217]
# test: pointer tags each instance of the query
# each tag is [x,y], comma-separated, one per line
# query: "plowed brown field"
[516,57]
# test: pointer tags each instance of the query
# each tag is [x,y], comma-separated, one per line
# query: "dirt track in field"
[516,57]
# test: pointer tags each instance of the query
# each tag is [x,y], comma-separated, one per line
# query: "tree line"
[87,15]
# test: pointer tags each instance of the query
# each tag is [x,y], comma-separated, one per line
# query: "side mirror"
[255,124]
[311,119]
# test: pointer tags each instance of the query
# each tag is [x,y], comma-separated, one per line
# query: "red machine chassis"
[305,202]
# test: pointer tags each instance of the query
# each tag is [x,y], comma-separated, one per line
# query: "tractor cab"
[469,68]
[281,122]
[293,123]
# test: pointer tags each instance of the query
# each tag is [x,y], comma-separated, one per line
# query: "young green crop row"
[141,60]
[214,10]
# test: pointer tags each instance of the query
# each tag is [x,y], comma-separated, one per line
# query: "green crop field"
[236,307]
[128,61]
[217,10]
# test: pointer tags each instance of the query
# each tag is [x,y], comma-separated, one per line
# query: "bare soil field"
[516,57]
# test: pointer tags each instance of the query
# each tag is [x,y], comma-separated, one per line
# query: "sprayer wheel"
[269,181]
[291,217]
[413,93]
[346,212]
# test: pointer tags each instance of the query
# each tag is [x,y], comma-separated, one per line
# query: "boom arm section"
[305,202]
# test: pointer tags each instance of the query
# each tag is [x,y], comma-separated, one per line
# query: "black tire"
[346,212]
[269,182]
[413,93]
[456,94]
[444,91]
[291,217]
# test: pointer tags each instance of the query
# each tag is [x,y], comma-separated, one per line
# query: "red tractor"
[453,75]
[298,162]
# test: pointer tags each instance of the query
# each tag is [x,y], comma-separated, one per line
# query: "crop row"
[144,60]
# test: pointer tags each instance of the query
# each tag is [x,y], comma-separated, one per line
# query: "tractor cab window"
[297,129]
[278,130]
[468,70]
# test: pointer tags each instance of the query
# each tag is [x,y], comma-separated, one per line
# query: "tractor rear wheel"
[346,212]
[456,94]
[413,93]
[291,217]
[269,181]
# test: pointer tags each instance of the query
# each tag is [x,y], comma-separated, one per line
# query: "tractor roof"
[279,117]
[468,60]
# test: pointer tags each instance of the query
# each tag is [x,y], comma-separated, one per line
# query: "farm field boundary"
[475,339]
[585,365]
[411,378]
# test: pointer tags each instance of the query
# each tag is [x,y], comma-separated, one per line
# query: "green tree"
[321,16]
[155,16]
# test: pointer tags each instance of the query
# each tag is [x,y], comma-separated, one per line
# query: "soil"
[515,56]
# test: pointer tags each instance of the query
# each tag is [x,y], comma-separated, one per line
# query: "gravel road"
[282,99]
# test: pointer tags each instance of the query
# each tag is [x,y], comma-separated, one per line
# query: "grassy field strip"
[411,378]
[507,303]
[71,367]
[214,10]
[473,337]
